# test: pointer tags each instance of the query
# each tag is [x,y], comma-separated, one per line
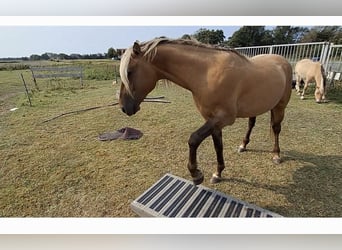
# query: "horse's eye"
[129,73]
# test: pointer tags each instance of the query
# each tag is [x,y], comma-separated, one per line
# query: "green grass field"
[61,169]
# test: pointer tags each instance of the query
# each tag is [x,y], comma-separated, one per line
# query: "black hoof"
[241,149]
[198,180]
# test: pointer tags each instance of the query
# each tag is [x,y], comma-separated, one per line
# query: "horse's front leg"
[195,140]
[217,139]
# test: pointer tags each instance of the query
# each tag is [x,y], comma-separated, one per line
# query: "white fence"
[327,53]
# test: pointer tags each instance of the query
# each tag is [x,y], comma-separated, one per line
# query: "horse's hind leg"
[277,116]
[304,88]
[251,124]
[217,139]
[298,80]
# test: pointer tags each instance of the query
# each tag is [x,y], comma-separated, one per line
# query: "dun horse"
[308,70]
[225,85]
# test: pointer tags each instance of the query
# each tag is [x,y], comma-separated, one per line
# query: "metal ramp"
[173,196]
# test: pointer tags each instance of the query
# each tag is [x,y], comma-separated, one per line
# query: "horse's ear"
[136,49]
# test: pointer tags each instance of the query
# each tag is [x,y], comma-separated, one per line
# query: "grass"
[61,169]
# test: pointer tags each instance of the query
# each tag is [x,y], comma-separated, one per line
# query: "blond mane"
[149,48]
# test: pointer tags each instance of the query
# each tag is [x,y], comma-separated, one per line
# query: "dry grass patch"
[60,168]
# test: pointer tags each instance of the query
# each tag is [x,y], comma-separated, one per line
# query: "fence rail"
[57,72]
[328,54]
[335,58]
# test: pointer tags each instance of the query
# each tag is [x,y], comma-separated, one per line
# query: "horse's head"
[321,87]
[319,95]
[138,79]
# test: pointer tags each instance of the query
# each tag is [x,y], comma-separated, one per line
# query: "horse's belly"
[250,105]
[254,110]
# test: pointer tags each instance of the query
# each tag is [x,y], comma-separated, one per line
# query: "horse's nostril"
[123,109]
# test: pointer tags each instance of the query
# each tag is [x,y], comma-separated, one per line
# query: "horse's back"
[272,59]
[307,68]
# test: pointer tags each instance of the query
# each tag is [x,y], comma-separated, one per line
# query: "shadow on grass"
[335,97]
[316,190]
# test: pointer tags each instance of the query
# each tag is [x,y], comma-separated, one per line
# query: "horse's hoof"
[198,180]
[276,160]
[241,149]
[302,97]
[215,179]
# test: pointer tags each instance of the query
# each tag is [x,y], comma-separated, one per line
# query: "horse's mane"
[149,48]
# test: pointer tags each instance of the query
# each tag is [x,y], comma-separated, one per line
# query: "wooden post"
[34,80]
[27,93]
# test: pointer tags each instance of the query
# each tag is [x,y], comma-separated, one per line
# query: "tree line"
[259,35]
[63,56]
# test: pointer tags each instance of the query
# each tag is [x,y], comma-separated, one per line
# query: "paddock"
[61,169]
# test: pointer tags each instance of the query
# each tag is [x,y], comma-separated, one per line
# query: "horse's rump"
[267,82]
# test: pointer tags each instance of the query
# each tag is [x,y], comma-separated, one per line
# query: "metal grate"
[173,196]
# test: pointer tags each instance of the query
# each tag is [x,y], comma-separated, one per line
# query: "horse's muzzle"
[130,110]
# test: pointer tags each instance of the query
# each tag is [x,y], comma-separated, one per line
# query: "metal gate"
[328,54]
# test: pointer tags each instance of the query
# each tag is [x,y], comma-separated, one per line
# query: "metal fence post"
[325,55]
[326,63]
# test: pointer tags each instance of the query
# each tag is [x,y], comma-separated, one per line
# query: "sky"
[24,36]
[21,41]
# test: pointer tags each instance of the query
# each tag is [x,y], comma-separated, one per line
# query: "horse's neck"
[181,64]
[319,79]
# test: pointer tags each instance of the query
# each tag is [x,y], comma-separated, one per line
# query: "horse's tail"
[323,81]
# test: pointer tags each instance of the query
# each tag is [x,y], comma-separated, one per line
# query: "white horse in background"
[308,71]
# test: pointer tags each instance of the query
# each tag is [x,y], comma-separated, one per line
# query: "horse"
[307,71]
[225,85]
